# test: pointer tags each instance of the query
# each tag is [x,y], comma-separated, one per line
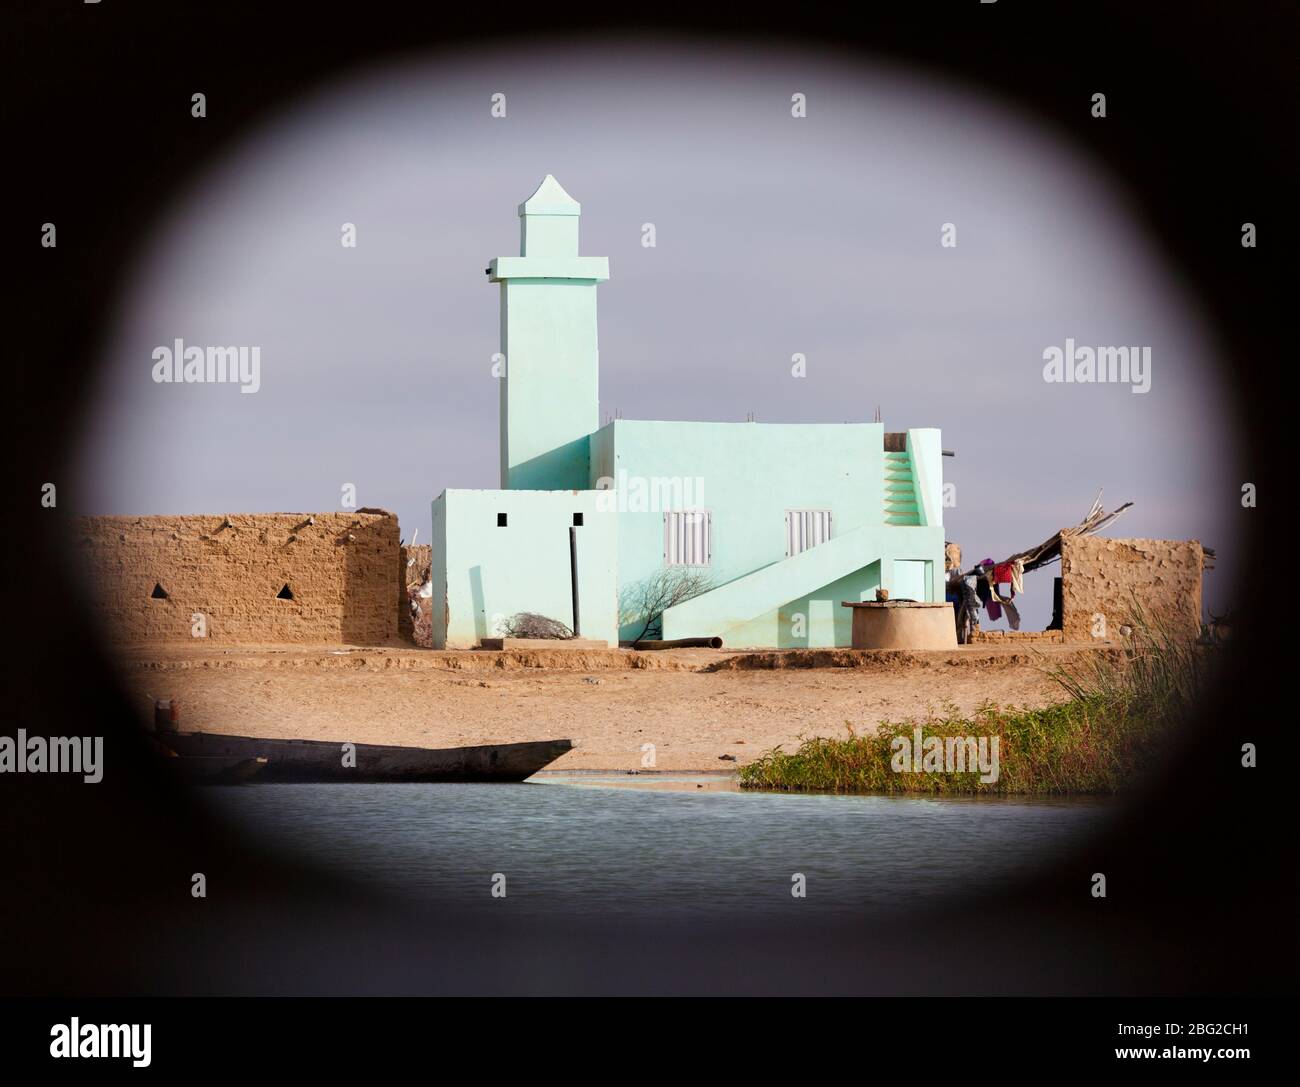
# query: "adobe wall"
[1016,637]
[1102,576]
[341,568]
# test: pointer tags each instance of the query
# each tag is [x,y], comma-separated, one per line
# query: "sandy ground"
[695,706]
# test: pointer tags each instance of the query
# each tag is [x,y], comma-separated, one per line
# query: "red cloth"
[1002,574]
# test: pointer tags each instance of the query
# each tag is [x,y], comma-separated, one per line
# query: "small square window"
[577,520]
[501,520]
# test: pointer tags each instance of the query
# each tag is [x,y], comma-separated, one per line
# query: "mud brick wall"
[1015,637]
[413,613]
[1103,577]
[341,569]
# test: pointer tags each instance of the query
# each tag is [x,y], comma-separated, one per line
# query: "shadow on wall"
[371,548]
[564,468]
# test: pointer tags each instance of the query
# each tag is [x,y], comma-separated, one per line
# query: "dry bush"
[646,601]
[527,624]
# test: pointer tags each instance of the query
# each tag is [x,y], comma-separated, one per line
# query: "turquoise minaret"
[550,384]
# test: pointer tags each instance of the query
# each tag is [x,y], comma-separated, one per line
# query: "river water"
[682,848]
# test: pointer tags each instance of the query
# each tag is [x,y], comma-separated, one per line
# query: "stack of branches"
[1049,551]
[527,624]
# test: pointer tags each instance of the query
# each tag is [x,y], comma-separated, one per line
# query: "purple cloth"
[991,606]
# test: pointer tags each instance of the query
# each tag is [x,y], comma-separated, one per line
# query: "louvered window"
[688,538]
[805,529]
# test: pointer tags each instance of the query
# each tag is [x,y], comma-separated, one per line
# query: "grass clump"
[1107,733]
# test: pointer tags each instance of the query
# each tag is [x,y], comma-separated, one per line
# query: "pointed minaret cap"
[550,199]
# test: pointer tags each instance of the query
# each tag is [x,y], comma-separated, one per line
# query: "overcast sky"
[775,235]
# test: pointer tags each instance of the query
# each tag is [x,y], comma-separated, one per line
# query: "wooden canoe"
[216,769]
[323,760]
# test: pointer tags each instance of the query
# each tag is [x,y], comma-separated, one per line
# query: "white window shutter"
[805,529]
[688,538]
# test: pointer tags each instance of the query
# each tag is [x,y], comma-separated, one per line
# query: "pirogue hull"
[215,769]
[324,760]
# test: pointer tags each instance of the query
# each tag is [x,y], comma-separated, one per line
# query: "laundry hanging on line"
[996,585]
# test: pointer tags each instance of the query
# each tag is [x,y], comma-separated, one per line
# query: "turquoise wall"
[438,573]
[814,621]
[483,573]
[926,450]
[748,475]
[550,399]
[751,474]
[759,609]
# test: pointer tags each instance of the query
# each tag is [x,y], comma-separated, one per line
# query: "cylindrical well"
[903,625]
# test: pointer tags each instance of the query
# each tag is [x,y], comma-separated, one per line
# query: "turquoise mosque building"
[782,521]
